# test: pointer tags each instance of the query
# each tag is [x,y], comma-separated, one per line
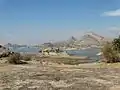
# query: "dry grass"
[109,65]
[100,65]
[27,57]
[67,60]
[58,78]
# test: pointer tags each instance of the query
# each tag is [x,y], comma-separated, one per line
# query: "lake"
[90,52]
[25,49]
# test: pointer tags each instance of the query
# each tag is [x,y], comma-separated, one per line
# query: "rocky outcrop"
[65,43]
[4,52]
[71,40]
[90,39]
[53,52]
[87,40]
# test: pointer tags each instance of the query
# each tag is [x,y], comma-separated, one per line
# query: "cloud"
[114,29]
[112,13]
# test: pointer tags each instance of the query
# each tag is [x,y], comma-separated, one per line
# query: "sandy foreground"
[34,76]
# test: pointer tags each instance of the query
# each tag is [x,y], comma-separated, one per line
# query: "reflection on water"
[26,49]
[91,52]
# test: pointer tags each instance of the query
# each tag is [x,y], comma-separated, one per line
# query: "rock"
[4,52]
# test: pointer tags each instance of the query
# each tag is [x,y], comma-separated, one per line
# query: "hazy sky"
[38,21]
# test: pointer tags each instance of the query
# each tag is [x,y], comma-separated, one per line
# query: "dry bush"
[110,54]
[15,59]
[27,57]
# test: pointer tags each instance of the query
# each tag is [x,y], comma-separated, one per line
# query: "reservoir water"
[90,52]
[26,50]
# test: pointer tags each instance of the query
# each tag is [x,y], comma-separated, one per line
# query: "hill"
[88,39]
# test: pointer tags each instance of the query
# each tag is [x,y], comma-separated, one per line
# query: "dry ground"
[35,76]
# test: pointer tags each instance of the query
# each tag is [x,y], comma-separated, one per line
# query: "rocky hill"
[89,39]
[66,43]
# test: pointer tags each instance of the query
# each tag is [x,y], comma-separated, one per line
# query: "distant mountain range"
[89,39]
[14,45]
[86,40]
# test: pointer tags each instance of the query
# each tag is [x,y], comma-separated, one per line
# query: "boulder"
[4,52]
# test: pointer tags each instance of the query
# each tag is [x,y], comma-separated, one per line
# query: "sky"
[38,21]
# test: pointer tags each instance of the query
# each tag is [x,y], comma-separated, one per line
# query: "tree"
[110,54]
[116,44]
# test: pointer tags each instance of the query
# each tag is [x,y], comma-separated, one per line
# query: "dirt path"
[6,68]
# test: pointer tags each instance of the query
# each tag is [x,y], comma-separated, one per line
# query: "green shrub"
[110,54]
[116,44]
[15,58]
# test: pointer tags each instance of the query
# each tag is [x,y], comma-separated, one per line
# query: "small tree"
[110,54]
[116,44]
